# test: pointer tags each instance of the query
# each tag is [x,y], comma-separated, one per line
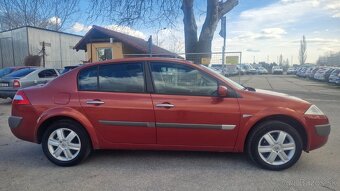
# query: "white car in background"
[277,70]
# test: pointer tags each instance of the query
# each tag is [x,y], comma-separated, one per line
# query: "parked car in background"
[320,74]
[261,70]
[277,70]
[291,71]
[248,69]
[69,68]
[301,72]
[312,72]
[240,69]
[232,69]
[25,77]
[328,74]
[8,70]
[164,104]
[335,77]
[219,68]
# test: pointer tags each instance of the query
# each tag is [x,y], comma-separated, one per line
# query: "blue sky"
[261,29]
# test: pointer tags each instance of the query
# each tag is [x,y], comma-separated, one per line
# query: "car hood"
[278,95]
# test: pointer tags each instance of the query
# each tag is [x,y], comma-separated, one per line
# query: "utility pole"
[43,52]
[223,33]
[150,46]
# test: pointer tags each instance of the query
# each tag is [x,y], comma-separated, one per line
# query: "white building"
[18,43]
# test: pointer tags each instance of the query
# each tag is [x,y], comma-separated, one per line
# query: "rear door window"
[50,73]
[125,77]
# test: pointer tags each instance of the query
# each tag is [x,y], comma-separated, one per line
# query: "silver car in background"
[26,77]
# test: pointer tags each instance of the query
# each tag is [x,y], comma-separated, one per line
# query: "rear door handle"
[95,102]
[165,105]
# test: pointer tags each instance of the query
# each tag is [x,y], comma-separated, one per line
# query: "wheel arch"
[282,118]
[53,116]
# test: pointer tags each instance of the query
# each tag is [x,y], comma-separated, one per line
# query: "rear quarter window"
[88,79]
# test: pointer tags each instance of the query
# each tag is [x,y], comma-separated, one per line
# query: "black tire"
[85,142]
[272,126]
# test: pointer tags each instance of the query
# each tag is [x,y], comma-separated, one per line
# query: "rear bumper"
[7,93]
[14,122]
[336,81]
[23,122]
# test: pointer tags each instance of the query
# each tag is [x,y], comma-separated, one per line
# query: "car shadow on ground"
[31,155]
[168,159]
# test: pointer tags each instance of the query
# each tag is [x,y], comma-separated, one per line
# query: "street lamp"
[158,32]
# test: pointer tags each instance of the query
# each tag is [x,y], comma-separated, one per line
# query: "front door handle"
[95,102]
[165,105]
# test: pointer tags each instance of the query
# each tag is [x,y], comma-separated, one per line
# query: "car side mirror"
[222,91]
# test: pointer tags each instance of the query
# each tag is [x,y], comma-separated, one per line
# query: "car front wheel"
[66,143]
[274,145]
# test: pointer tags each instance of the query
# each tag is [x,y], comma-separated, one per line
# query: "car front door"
[114,98]
[188,110]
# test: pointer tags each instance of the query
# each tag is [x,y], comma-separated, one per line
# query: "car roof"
[141,59]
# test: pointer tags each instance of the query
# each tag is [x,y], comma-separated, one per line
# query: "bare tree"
[281,60]
[166,12]
[50,14]
[302,51]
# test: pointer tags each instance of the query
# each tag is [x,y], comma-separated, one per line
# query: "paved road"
[24,167]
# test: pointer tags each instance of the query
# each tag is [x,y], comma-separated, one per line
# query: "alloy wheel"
[64,144]
[276,147]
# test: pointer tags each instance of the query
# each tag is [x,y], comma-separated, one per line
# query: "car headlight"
[313,110]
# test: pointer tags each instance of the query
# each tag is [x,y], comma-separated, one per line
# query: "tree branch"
[225,7]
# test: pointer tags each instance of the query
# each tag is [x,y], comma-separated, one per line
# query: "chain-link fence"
[226,63]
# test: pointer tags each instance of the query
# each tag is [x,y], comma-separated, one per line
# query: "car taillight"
[20,98]
[16,84]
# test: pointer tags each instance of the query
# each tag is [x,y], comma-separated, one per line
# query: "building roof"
[131,41]
[41,29]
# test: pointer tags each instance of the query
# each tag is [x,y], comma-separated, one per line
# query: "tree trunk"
[208,30]
[190,28]
[202,46]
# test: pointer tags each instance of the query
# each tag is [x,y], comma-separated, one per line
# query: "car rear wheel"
[274,145]
[66,143]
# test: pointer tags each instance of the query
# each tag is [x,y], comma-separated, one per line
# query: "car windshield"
[336,72]
[21,73]
[5,71]
[236,85]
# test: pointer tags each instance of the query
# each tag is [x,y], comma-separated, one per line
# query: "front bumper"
[318,128]
[323,130]
[7,93]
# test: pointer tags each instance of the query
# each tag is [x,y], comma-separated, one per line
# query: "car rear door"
[114,98]
[187,109]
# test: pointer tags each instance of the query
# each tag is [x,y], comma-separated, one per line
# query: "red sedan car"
[164,104]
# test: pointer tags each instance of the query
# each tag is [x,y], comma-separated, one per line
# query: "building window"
[104,54]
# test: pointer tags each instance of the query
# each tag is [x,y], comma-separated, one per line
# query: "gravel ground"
[24,167]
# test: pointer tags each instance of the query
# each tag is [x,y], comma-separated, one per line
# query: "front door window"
[176,79]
